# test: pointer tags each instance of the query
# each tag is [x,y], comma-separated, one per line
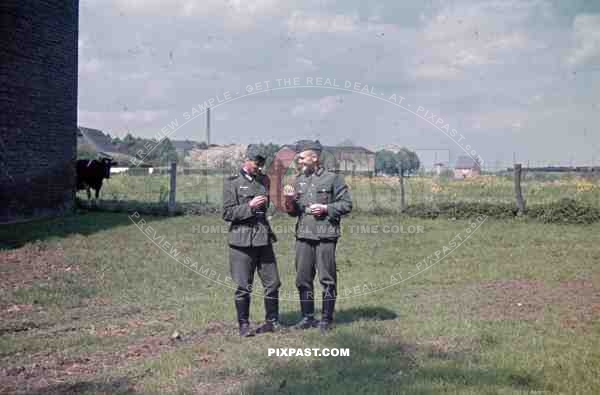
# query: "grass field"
[88,304]
[369,193]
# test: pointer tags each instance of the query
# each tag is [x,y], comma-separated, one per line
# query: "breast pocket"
[323,195]
[244,195]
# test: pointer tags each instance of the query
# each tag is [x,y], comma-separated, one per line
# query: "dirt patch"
[19,318]
[446,347]
[578,301]
[33,263]
[218,327]
[46,369]
[16,327]
[512,300]
[227,386]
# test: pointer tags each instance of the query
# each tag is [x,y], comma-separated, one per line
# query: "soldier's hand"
[258,201]
[288,190]
[318,210]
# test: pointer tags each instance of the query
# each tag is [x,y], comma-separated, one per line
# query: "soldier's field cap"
[254,153]
[309,145]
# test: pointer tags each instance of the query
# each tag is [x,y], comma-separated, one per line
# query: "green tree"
[157,153]
[129,140]
[86,151]
[403,162]
[408,161]
[166,152]
[386,162]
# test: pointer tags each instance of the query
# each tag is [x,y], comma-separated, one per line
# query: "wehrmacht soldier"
[245,201]
[319,198]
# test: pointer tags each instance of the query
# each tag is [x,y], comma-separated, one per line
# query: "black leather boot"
[242,306]
[307,307]
[271,315]
[326,322]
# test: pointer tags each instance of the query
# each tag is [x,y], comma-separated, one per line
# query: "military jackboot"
[326,322]
[307,307]
[243,313]
[271,315]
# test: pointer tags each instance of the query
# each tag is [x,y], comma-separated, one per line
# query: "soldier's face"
[308,161]
[251,167]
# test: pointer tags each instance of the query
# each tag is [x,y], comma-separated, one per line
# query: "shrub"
[565,211]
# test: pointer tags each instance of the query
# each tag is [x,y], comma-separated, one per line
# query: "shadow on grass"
[346,316]
[85,223]
[120,386]
[380,365]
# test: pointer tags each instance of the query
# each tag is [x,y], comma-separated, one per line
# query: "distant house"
[466,167]
[431,159]
[346,159]
[96,140]
[184,147]
[351,159]
[438,167]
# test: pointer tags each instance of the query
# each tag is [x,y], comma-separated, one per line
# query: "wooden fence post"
[518,193]
[173,188]
[372,190]
[402,193]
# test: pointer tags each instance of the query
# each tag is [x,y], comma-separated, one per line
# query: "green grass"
[456,327]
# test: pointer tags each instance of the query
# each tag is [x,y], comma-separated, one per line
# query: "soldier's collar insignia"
[246,175]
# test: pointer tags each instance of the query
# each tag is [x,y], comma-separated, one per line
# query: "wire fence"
[203,188]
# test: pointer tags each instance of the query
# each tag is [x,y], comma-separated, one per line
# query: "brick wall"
[38,107]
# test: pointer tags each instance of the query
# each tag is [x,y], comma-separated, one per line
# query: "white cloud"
[141,75]
[464,37]
[298,110]
[436,71]
[301,23]
[586,34]
[157,89]
[143,116]
[306,63]
[237,14]
[82,42]
[328,104]
[197,7]
[120,119]
[499,119]
[221,116]
[322,106]
[90,66]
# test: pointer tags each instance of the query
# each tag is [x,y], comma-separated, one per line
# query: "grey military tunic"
[250,236]
[248,227]
[316,238]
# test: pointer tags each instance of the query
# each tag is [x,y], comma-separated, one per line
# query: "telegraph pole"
[208,126]
[207,146]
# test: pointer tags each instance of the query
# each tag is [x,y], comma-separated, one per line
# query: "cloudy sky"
[513,77]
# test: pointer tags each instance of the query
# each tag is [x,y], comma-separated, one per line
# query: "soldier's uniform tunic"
[316,237]
[250,241]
